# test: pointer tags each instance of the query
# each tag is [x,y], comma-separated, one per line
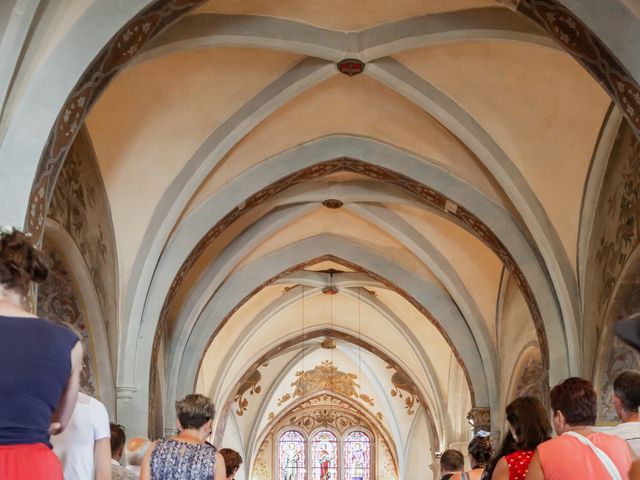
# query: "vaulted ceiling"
[453,165]
[443,199]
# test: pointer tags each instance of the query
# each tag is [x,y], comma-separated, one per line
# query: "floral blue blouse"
[175,460]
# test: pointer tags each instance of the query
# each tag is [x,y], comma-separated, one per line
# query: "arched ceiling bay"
[162,111]
[343,105]
[544,121]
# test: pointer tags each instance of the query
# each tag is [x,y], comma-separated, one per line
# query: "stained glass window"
[357,456]
[324,455]
[291,449]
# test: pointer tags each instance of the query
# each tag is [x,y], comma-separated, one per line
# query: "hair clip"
[482,434]
[7,230]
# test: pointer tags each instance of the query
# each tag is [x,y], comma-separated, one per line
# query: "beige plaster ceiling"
[478,267]
[358,106]
[345,224]
[154,116]
[341,14]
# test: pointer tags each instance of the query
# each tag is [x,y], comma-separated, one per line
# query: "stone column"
[435,465]
[131,411]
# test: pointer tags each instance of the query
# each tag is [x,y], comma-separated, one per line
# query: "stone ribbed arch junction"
[202,293]
[355,286]
[389,72]
[209,30]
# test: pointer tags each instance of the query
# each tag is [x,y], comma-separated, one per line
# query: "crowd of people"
[579,450]
[48,430]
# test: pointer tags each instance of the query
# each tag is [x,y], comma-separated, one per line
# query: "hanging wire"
[331,349]
[359,346]
[303,333]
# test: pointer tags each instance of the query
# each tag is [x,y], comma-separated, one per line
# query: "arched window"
[301,453]
[357,456]
[291,456]
[324,456]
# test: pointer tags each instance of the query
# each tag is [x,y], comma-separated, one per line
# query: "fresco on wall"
[252,387]
[58,301]
[402,383]
[619,237]
[79,204]
[325,376]
[615,235]
[620,358]
[530,376]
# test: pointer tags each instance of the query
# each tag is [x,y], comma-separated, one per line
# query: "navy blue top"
[35,364]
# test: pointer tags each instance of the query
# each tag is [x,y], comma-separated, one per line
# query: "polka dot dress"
[519,463]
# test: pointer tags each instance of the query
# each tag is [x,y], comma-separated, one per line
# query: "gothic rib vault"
[202,171]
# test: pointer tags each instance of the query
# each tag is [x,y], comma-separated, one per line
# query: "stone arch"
[371,425]
[434,396]
[533,8]
[529,377]
[613,355]
[245,283]
[252,31]
[378,154]
[79,305]
[212,279]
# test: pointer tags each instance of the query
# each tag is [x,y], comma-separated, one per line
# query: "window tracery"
[324,448]
[324,455]
[357,456]
[291,455]
[361,440]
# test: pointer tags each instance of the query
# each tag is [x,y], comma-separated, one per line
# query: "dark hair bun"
[20,262]
[480,450]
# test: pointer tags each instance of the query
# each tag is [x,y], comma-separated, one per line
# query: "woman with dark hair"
[40,365]
[507,446]
[578,451]
[528,427]
[480,451]
[186,456]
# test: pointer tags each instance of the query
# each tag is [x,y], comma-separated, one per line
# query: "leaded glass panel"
[357,456]
[291,454]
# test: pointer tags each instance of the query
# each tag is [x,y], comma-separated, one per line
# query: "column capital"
[480,419]
[125,394]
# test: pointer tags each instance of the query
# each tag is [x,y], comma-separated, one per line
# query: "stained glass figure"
[291,447]
[357,456]
[324,446]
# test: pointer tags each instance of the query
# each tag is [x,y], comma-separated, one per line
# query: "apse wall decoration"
[291,448]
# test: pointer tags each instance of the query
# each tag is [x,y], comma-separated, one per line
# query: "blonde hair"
[195,410]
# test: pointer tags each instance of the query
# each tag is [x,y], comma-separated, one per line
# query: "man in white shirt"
[626,401]
[84,448]
[134,453]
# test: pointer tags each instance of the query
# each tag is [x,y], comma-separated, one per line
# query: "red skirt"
[34,461]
